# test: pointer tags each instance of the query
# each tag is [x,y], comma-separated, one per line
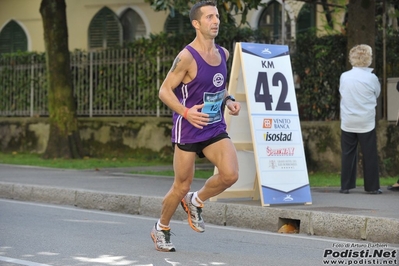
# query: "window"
[133,26]
[105,30]
[177,23]
[13,38]
[306,18]
[270,22]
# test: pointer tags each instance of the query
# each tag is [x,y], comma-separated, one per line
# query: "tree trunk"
[361,30]
[64,140]
[361,25]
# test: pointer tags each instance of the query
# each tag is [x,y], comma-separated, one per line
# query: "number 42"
[266,97]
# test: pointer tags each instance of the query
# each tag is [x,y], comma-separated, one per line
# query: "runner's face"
[209,22]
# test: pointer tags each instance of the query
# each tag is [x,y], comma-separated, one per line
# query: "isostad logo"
[277,136]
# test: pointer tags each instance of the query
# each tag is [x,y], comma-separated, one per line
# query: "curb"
[374,229]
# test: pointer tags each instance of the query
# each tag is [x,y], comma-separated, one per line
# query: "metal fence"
[121,82]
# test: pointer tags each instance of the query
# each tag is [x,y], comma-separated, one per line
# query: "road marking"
[300,236]
[22,262]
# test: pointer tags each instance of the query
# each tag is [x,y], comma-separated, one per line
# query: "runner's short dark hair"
[195,12]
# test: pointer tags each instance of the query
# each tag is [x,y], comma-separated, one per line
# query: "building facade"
[100,24]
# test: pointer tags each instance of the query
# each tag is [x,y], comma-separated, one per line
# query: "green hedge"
[317,61]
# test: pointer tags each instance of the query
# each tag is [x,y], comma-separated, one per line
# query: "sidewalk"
[349,216]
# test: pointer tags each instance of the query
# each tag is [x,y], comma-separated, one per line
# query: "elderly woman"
[359,89]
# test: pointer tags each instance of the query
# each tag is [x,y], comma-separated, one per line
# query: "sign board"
[267,133]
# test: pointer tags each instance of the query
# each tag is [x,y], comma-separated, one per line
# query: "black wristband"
[230,97]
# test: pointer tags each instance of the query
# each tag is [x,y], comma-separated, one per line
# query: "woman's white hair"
[361,55]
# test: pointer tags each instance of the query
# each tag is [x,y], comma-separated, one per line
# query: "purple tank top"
[207,87]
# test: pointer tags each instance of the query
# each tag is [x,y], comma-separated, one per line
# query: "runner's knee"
[181,189]
[229,178]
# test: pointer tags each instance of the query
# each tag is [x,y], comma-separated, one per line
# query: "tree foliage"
[319,62]
[227,9]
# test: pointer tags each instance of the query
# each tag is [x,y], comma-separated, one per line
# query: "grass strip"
[84,163]
[315,179]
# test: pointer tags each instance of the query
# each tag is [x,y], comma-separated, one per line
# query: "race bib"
[213,104]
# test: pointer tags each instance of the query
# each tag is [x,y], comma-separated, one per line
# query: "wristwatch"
[230,97]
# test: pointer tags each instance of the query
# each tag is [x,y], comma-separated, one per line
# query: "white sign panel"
[276,131]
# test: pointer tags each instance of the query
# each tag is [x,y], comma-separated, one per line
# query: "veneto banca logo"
[267,123]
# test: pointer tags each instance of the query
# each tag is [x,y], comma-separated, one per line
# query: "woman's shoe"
[344,191]
[379,191]
[392,188]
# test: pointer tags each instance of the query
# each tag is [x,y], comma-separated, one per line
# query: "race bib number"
[213,104]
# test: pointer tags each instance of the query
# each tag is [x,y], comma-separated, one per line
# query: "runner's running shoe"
[162,240]
[194,213]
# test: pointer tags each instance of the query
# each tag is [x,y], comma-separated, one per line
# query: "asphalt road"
[357,215]
[33,234]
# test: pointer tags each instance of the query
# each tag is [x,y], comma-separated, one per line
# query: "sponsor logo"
[288,198]
[277,136]
[266,51]
[218,80]
[283,164]
[281,123]
[280,151]
[267,123]
[212,98]
[272,164]
[277,123]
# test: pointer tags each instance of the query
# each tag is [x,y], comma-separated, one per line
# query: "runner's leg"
[223,155]
[183,165]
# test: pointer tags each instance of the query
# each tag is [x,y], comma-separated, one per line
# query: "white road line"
[300,236]
[22,262]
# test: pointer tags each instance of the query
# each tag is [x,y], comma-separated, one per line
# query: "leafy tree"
[64,139]
[226,8]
